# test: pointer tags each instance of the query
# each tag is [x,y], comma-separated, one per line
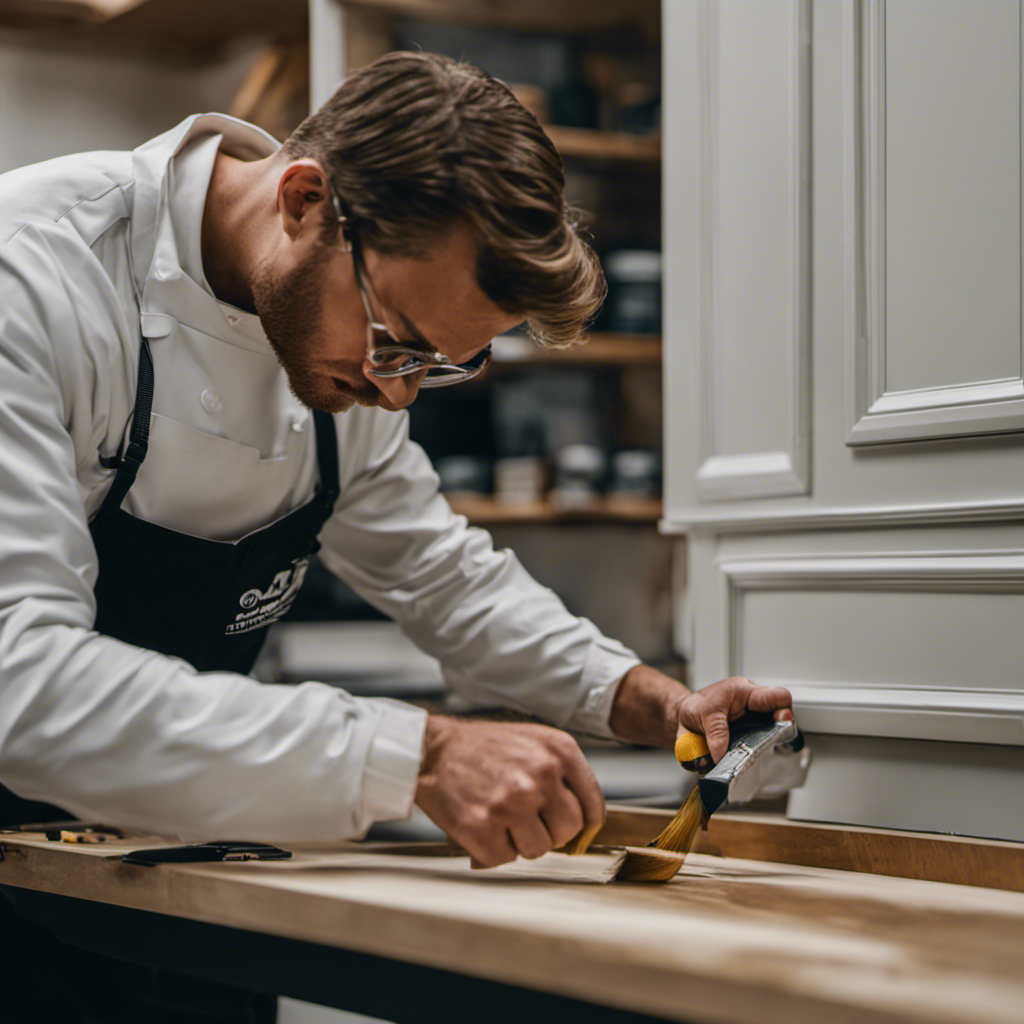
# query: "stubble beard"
[289,311]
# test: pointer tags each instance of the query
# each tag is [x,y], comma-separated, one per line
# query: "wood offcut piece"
[596,866]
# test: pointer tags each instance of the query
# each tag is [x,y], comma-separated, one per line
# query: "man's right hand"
[502,789]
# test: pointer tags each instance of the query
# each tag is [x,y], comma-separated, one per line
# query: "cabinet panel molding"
[875,414]
[847,518]
[726,475]
[812,623]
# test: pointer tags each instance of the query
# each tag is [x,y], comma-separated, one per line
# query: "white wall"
[57,99]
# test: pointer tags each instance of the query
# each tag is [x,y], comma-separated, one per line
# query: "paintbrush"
[765,758]
[678,836]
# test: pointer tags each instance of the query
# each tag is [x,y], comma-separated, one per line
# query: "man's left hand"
[711,709]
[653,708]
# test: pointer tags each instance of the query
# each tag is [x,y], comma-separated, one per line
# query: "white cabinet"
[844,384]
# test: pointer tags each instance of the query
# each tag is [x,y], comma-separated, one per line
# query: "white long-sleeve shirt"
[116,733]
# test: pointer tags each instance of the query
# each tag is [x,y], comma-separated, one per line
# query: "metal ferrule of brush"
[764,759]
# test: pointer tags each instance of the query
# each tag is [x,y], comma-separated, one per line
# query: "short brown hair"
[415,142]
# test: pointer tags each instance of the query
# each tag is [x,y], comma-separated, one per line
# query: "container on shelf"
[579,473]
[634,290]
[464,474]
[636,473]
[520,479]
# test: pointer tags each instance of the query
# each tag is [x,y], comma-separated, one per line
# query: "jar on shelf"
[634,291]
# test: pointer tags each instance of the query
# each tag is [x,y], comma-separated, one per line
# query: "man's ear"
[301,192]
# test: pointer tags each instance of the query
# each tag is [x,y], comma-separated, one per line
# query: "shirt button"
[297,426]
[210,401]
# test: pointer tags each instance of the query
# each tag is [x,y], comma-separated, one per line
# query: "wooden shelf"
[598,349]
[180,29]
[588,144]
[487,511]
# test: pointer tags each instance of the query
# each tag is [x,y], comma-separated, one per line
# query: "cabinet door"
[737,218]
[933,219]
[843,278]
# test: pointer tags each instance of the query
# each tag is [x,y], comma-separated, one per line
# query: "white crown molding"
[696,521]
[857,708]
[957,716]
[876,415]
[767,474]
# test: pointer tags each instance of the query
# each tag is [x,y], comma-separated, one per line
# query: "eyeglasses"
[389,357]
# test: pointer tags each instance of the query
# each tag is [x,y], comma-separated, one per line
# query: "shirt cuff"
[393,761]
[606,666]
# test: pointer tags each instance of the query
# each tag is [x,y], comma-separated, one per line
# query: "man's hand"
[502,789]
[711,709]
[652,708]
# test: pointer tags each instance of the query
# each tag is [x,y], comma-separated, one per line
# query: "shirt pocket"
[207,486]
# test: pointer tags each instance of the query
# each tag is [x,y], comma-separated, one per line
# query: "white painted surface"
[952,192]
[750,48]
[961,788]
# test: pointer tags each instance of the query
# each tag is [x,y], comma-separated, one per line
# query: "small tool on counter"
[69,831]
[765,758]
[200,853]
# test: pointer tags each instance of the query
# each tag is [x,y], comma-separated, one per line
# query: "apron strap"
[138,440]
[327,456]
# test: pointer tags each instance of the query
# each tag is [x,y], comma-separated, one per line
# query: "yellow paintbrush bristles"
[677,837]
[582,842]
[681,831]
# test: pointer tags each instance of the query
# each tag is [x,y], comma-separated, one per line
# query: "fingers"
[531,838]
[770,698]
[563,817]
[501,790]
[544,817]
[580,779]
[491,848]
[713,707]
[476,834]
[715,725]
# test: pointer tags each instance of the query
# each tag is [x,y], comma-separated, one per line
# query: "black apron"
[207,602]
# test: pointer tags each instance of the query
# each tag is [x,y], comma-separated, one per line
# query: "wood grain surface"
[727,940]
[961,860]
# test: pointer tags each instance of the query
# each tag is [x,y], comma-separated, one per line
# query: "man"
[205,348]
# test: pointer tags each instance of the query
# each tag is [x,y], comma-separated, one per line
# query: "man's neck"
[230,229]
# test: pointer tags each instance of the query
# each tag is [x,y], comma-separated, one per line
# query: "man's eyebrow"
[415,331]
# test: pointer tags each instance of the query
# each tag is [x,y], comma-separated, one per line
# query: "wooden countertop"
[727,940]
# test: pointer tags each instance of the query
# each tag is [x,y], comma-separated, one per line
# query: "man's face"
[315,321]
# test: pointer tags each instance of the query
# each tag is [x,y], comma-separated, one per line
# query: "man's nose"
[399,391]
